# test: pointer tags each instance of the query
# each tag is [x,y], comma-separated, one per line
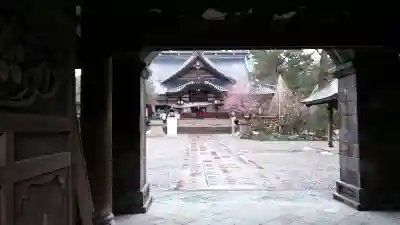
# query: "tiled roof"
[247,88]
[217,87]
[264,89]
[180,87]
[183,86]
[323,95]
[200,56]
[232,65]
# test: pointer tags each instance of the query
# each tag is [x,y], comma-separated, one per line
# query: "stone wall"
[368,139]
[348,140]
[348,188]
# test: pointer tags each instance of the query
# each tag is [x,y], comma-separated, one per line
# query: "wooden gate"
[36,112]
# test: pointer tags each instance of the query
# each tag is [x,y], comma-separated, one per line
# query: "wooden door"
[36,121]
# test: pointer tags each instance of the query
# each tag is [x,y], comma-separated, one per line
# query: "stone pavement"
[220,179]
[253,208]
[194,162]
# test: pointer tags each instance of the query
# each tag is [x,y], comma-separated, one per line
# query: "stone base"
[361,200]
[157,130]
[134,202]
[105,220]
[349,195]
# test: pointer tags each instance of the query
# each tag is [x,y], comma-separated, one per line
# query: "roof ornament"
[197,65]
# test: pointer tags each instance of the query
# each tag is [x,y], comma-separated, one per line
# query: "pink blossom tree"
[239,98]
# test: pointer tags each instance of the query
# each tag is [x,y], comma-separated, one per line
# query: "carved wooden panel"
[37,50]
[43,199]
[36,187]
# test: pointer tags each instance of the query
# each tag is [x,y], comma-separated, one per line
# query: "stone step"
[204,122]
[204,130]
[156,131]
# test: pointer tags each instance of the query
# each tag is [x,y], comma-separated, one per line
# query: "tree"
[325,63]
[239,98]
[297,67]
[319,114]
[267,66]
[301,71]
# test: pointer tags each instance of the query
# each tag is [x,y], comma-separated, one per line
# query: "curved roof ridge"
[191,60]
[182,86]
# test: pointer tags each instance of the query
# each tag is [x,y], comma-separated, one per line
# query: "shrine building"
[189,81]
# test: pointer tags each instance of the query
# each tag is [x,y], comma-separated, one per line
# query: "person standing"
[233,118]
[201,114]
[235,122]
[164,117]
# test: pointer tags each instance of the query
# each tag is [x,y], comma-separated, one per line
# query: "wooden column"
[131,191]
[330,125]
[96,133]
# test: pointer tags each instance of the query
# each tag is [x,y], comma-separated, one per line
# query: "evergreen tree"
[300,71]
[298,68]
[266,66]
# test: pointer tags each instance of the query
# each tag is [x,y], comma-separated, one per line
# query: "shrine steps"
[204,130]
[204,126]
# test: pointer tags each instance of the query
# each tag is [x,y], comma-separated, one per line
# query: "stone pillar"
[96,133]
[131,193]
[244,129]
[368,142]
[330,125]
[233,125]
[153,108]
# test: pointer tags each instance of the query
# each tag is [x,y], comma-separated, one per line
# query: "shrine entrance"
[40,174]
[198,109]
[347,81]
[202,158]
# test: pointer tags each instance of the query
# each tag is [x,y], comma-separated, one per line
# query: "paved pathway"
[253,208]
[204,162]
[220,179]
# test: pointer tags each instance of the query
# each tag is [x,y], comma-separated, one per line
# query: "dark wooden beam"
[96,125]
[338,30]
[330,125]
